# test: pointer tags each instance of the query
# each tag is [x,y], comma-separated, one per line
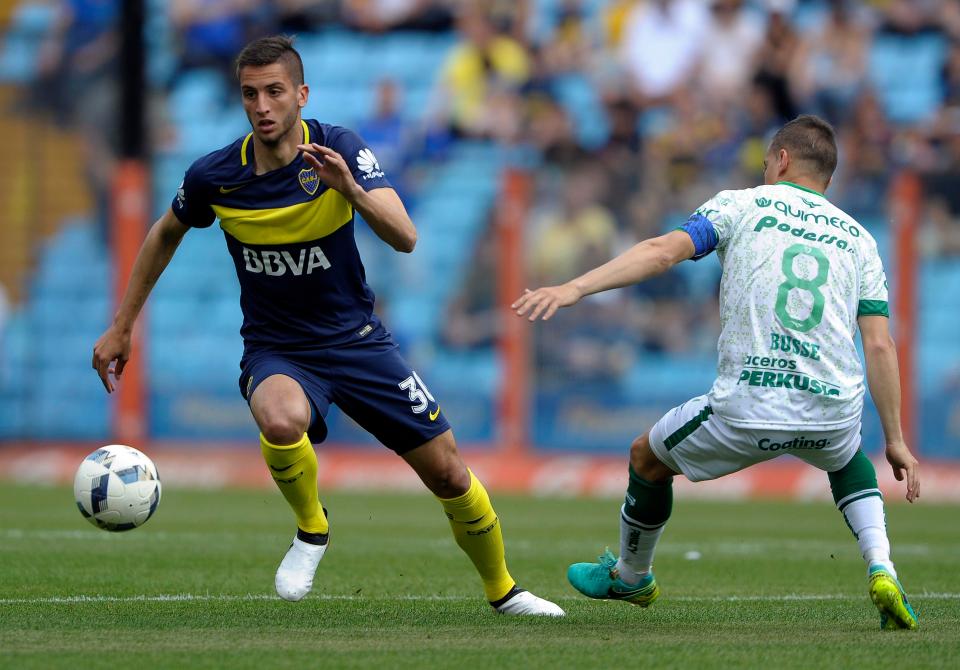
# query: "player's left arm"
[642,261]
[381,207]
[883,370]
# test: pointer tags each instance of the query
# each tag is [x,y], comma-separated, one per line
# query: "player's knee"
[451,481]
[645,463]
[282,426]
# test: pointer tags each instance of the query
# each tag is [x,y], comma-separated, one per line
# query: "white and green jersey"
[797,272]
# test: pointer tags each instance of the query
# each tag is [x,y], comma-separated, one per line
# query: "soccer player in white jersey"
[799,277]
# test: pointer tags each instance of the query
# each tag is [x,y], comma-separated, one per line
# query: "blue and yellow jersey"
[302,283]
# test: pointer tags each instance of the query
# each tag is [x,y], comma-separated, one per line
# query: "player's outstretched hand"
[546,301]
[905,466]
[112,346]
[330,167]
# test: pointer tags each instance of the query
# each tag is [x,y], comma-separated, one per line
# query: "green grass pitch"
[777,585]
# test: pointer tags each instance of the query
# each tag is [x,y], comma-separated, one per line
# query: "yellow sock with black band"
[477,531]
[294,469]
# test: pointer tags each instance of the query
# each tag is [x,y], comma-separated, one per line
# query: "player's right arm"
[641,261]
[707,228]
[158,248]
[883,378]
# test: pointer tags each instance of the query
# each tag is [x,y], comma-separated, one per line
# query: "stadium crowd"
[689,93]
[636,110]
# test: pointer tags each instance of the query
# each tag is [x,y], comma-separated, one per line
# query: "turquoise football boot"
[602,581]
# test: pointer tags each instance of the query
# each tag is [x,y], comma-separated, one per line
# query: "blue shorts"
[369,380]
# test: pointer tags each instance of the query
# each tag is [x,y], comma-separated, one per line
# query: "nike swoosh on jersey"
[434,415]
[224,189]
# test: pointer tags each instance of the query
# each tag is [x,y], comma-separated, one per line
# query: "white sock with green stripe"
[855,491]
[864,514]
[638,542]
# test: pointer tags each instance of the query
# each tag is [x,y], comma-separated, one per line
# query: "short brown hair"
[811,140]
[270,50]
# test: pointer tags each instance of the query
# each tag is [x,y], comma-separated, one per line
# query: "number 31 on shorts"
[418,393]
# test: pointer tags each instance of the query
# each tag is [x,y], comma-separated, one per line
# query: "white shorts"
[693,440]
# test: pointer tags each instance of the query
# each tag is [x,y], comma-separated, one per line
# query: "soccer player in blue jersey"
[285,196]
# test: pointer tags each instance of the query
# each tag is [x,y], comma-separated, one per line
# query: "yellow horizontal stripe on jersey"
[302,222]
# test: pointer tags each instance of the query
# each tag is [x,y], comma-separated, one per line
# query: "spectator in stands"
[474,318]
[680,145]
[569,48]
[867,141]
[77,77]
[751,130]
[942,234]
[909,18]
[951,76]
[831,62]
[508,17]
[388,133]
[574,232]
[211,32]
[378,16]
[550,130]
[661,46]
[733,35]
[948,16]
[777,56]
[303,16]
[485,67]
[624,131]
[78,58]
[595,349]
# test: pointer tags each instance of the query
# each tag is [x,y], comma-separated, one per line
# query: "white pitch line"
[201,597]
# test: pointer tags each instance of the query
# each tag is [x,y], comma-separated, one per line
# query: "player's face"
[272,101]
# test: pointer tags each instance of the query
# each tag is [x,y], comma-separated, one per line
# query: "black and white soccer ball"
[117,488]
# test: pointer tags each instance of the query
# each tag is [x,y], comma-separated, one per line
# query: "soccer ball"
[117,488]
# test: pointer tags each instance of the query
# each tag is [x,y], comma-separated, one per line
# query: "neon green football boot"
[888,595]
[602,581]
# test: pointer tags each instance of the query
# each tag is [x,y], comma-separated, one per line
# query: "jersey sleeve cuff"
[873,308]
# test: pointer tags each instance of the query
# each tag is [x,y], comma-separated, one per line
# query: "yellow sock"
[294,469]
[477,530]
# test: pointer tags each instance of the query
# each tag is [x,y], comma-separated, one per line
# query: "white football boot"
[295,575]
[519,602]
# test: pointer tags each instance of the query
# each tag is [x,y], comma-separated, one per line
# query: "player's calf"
[859,499]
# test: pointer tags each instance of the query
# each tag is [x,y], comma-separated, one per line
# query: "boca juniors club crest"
[309,180]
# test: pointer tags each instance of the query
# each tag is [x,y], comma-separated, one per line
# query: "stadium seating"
[47,389]
[21,43]
[905,73]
